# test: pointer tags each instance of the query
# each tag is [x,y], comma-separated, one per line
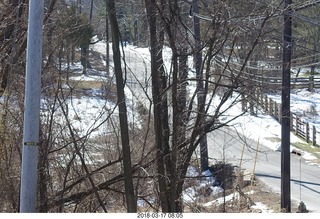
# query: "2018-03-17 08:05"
[159,215]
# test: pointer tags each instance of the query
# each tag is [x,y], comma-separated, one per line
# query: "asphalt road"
[305,184]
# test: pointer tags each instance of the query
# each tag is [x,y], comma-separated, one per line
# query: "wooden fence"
[264,80]
[301,128]
[261,80]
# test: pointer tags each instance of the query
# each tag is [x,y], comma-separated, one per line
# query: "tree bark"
[129,189]
[160,133]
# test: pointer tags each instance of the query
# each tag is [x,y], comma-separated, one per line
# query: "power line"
[305,5]
[278,12]
[306,19]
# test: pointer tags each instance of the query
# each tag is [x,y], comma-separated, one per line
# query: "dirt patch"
[253,197]
[261,193]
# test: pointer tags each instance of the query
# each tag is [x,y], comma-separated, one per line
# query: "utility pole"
[200,95]
[29,173]
[107,42]
[91,12]
[285,120]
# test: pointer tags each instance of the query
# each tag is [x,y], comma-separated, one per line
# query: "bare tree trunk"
[84,59]
[42,176]
[160,133]
[129,189]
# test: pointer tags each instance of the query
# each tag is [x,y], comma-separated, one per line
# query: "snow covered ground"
[260,128]
[304,103]
[264,128]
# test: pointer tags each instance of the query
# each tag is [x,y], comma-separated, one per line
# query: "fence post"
[297,123]
[251,99]
[243,104]
[280,114]
[311,83]
[262,84]
[314,132]
[270,107]
[266,104]
[307,132]
[257,100]
[275,110]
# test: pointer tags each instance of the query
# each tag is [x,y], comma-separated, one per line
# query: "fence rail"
[298,126]
[264,79]
[310,82]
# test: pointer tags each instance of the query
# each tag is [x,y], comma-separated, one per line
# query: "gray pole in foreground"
[285,120]
[28,192]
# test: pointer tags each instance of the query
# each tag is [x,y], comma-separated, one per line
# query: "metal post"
[28,193]
[285,124]
[255,163]
[300,177]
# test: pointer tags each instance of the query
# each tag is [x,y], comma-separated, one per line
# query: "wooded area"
[136,151]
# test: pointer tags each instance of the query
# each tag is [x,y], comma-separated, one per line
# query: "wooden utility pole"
[198,63]
[107,42]
[91,12]
[285,120]
[28,192]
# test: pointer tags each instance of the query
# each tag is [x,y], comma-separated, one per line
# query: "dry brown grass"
[257,192]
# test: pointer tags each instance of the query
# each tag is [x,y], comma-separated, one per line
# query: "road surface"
[225,143]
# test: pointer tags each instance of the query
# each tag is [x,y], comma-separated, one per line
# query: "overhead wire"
[279,12]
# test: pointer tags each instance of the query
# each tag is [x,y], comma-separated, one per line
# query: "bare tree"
[189,120]
[146,158]
[129,189]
